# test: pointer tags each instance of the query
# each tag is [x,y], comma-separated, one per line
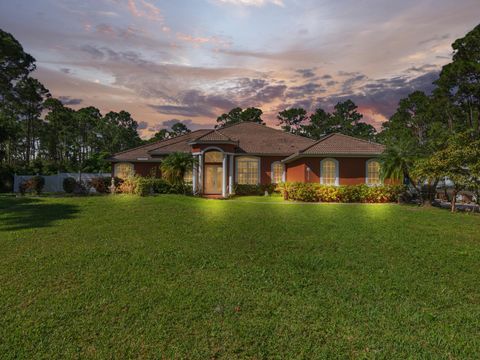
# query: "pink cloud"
[144,9]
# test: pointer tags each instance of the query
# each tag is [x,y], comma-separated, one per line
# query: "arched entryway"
[213,172]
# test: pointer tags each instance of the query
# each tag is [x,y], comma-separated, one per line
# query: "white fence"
[54,183]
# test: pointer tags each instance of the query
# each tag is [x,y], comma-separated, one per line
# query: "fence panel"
[54,183]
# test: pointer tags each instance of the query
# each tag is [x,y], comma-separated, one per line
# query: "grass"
[177,277]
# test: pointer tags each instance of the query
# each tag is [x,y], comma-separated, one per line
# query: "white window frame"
[272,172]
[115,172]
[237,158]
[337,171]
[366,172]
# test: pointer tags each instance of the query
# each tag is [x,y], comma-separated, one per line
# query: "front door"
[213,179]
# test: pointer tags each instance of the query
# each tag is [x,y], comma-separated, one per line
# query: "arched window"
[329,172]
[123,170]
[213,157]
[278,172]
[373,172]
[248,170]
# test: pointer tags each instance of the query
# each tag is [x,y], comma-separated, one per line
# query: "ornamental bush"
[144,186]
[311,192]
[34,185]
[257,189]
[69,185]
[102,184]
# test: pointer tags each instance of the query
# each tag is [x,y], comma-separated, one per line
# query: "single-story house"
[250,153]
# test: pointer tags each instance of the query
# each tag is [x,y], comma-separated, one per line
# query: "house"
[250,153]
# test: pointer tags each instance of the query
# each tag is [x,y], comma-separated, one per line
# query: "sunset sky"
[193,60]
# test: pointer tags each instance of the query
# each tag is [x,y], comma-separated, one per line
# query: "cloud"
[194,103]
[67,100]
[436,38]
[306,73]
[144,9]
[142,125]
[350,82]
[256,3]
[301,91]
[187,122]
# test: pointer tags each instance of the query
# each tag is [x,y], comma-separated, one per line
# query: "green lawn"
[178,277]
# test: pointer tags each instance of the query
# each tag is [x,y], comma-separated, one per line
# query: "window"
[213,157]
[248,170]
[329,172]
[188,177]
[123,170]
[373,173]
[278,170]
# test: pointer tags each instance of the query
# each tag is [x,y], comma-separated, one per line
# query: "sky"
[192,60]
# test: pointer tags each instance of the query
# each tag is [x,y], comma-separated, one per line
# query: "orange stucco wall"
[351,170]
[296,171]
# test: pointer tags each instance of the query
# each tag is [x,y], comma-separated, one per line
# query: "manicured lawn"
[178,277]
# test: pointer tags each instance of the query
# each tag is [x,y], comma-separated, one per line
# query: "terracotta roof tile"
[212,136]
[260,139]
[256,139]
[179,143]
[343,144]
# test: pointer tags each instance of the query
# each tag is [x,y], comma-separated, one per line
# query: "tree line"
[38,134]
[428,138]
[437,136]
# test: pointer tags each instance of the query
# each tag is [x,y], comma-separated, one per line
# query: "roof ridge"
[357,138]
[177,139]
[213,131]
[155,142]
[266,126]
[316,142]
[339,134]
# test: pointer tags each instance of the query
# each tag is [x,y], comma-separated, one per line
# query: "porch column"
[194,176]
[200,174]
[230,176]
[224,182]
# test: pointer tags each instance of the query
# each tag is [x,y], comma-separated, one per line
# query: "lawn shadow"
[28,213]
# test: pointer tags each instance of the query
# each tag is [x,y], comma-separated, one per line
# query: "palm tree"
[175,166]
[397,160]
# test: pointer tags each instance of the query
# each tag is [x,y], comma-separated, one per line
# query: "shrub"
[35,185]
[351,193]
[161,186]
[82,188]
[310,192]
[69,185]
[6,180]
[22,187]
[328,193]
[258,189]
[129,185]
[102,184]
[38,182]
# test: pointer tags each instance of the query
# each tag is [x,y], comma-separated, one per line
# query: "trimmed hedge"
[254,189]
[144,186]
[311,192]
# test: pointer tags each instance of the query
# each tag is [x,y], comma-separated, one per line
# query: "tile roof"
[179,143]
[339,144]
[213,136]
[254,138]
[260,139]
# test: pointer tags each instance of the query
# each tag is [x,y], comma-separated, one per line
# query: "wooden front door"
[213,179]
